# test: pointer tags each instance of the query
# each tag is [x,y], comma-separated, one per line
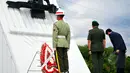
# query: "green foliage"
[86,56]
[109,60]
[127,66]
[84,51]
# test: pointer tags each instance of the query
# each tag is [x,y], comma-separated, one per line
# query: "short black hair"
[95,23]
[108,30]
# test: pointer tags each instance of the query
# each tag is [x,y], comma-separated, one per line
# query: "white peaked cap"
[60,12]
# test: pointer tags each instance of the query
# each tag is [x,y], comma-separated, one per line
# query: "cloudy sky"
[114,14]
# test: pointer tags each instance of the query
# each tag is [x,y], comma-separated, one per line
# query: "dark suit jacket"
[117,41]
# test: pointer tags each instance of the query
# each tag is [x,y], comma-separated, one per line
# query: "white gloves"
[90,52]
[117,51]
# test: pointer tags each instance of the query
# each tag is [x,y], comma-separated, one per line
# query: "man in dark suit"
[119,49]
[96,45]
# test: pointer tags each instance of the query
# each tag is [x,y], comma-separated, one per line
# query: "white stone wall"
[7,64]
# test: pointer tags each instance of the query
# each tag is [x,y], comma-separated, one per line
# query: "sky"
[114,14]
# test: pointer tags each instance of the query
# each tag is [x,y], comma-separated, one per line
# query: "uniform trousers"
[120,64]
[63,58]
[97,61]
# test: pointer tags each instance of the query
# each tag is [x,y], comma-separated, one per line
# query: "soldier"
[96,45]
[61,41]
[119,49]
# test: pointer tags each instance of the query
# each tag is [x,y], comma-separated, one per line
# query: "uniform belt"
[60,36]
